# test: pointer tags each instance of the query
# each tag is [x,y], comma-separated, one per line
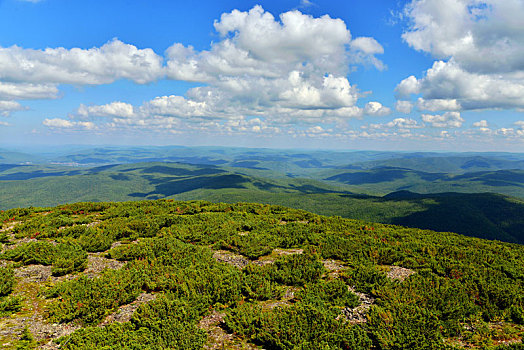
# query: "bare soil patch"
[125,312]
[218,338]
[230,258]
[399,273]
[359,313]
[96,263]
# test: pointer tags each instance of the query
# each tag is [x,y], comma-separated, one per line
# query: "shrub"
[300,326]
[297,269]
[7,280]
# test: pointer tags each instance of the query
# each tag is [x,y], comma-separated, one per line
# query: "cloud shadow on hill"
[169,186]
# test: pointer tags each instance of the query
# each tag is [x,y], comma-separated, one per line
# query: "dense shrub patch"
[462,288]
[65,257]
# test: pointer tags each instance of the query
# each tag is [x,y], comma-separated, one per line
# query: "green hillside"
[449,163]
[199,275]
[391,179]
[484,215]
[39,185]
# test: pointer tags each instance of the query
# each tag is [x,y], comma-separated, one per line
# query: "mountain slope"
[193,275]
[484,215]
[391,179]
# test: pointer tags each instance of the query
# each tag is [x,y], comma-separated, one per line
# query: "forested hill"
[485,215]
[199,275]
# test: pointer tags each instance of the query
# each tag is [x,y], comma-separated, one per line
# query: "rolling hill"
[199,275]
[446,193]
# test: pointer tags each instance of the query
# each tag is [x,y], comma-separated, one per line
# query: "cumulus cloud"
[36,74]
[400,123]
[404,106]
[177,106]
[446,120]
[408,86]
[58,123]
[376,109]
[485,36]
[509,133]
[481,124]
[114,109]
[27,91]
[317,129]
[364,50]
[296,37]
[334,92]
[6,107]
[275,66]
[254,43]
[106,64]
[478,44]
[285,70]
[438,104]
[446,86]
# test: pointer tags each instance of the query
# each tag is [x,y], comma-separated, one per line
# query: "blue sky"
[419,75]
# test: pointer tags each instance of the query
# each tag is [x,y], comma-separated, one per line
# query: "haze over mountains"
[459,192]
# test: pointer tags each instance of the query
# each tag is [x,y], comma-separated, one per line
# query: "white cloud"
[274,66]
[400,123]
[447,82]
[286,71]
[306,3]
[296,37]
[364,50]
[376,109]
[58,123]
[27,91]
[114,109]
[483,36]
[510,133]
[446,120]
[520,124]
[175,106]
[404,106]
[478,44]
[4,123]
[367,45]
[408,86]
[6,107]
[112,61]
[481,124]
[256,44]
[438,105]
[317,129]
[334,92]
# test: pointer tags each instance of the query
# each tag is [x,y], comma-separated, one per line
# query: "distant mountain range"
[463,193]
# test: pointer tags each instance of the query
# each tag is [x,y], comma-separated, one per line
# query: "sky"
[419,75]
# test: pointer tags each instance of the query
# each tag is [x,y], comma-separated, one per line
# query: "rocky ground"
[30,281]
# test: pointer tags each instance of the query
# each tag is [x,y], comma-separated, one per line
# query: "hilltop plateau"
[199,275]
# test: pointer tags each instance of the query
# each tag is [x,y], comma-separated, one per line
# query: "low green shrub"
[65,257]
[300,326]
[333,293]
[7,280]
[297,269]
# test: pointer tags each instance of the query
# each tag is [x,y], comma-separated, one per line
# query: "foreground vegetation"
[275,277]
[484,215]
